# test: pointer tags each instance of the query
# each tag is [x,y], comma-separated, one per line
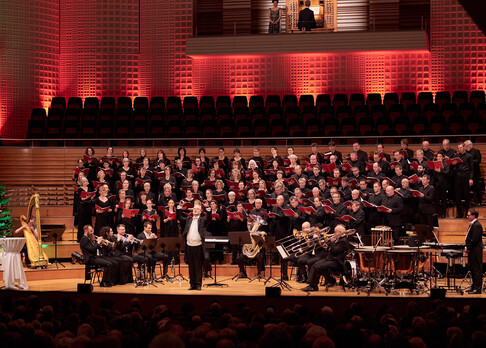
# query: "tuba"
[35,253]
[252,250]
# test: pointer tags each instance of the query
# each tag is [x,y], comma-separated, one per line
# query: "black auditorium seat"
[272,100]
[56,116]
[455,123]
[448,110]
[108,103]
[356,99]
[289,101]
[459,97]
[124,103]
[190,102]
[206,102]
[343,111]
[477,97]
[330,125]
[323,100]
[190,114]
[157,103]
[124,114]
[401,123]
[378,111]
[326,112]
[395,111]
[407,98]
[174,102]
[339,99]
[437,123]
[466,110]
[225,113]
[442,98]
[412,111]
[291,113]
[157,115]
[474,122]
[308,112]
[366,124]
[91,103]
[75,103]
[419,123]
[274,113]
[89,115]
[348,124]
[141,103]
[306,100]
[240,101]
[373,99]
[256,101]
[58,103]
[390,99]
[383,124]
[360,111]
[430,110]
[223,101]
[36,124]
[425,98]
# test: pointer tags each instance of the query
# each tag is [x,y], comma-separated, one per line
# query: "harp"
[35,253]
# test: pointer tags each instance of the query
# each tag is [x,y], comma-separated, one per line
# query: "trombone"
[305,239]
[322,240]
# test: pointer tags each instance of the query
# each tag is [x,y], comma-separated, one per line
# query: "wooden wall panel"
[352,15]
[413,13]
[384,14]
[236,17]
[209,17]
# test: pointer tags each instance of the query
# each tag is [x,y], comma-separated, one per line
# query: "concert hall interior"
[242,173]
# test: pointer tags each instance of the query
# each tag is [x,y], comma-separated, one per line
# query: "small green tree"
[5,218]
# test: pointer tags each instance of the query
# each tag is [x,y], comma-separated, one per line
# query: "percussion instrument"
[386,240]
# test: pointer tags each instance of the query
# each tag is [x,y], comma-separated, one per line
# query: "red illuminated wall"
[137,47]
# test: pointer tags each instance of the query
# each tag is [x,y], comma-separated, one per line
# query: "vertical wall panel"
[29,61]
[384,14]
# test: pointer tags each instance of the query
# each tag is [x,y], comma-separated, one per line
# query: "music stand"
[260,241]
[161,247]
[173,244]
[148,244]
[424,232]
[280,249]
[239,238]
[215,283]
[54,235]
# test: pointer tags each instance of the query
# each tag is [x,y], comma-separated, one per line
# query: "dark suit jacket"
[395,203]
[306,19]
[88,248]
[474,239]
[426,203]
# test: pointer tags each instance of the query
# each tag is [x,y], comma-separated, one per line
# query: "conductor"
[194,235]
[307,20]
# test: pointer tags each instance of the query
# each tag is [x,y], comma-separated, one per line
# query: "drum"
[371,259]
[352,269]
[402,258]
[386,240]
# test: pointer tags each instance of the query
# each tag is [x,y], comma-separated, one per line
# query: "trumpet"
[106,242]
[128,238]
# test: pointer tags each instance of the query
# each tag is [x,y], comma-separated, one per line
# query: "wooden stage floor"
[66,279]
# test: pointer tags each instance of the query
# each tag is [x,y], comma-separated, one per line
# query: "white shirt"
[193,237]
[470,224]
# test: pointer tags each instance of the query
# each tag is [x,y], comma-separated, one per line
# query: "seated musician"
[337,248]
[152,256]
[109,250]
[89,245]
[126,245]
[243,259]
[308,259]
[19,232]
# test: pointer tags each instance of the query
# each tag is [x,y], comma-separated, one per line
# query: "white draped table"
[13,270]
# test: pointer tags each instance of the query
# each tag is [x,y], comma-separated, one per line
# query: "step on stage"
[53,284]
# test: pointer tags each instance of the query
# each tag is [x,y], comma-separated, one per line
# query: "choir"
[359,191]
